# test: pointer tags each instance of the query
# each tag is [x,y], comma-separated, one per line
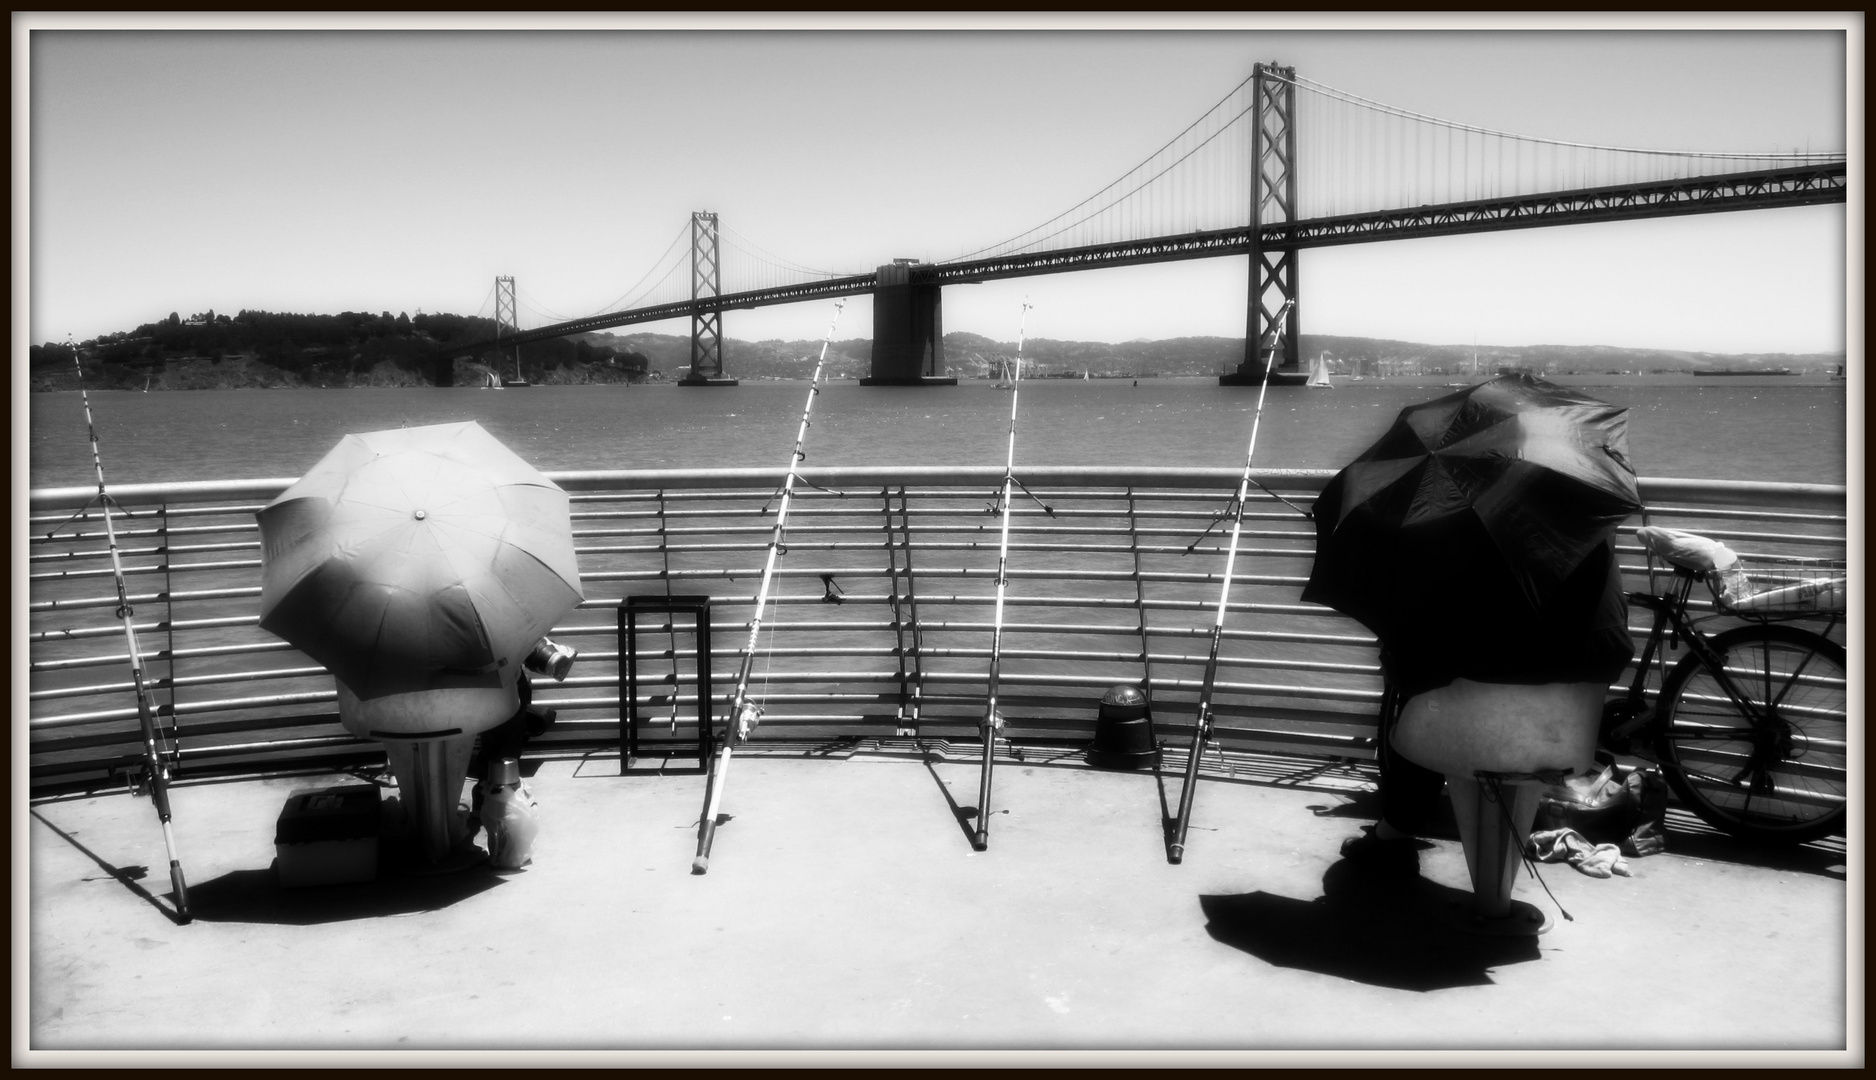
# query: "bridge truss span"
[1805,185]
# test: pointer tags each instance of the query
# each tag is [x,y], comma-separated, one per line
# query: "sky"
[403,165]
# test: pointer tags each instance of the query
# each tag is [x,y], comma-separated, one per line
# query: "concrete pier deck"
[845,919]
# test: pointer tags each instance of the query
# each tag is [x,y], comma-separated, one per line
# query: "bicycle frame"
[1626,718]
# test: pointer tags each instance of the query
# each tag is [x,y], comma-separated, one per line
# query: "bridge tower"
[706,326]
[506,322]
[1273,200]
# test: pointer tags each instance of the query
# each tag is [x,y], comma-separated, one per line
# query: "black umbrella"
[1474,538]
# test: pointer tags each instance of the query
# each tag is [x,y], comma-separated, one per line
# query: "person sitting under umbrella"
[418,566]
[1476,540]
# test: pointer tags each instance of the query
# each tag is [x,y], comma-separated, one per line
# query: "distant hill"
[265,349]
[970,355]
[262,349]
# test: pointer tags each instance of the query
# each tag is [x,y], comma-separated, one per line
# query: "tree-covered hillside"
[267,349]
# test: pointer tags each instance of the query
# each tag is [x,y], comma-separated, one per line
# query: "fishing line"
[802,480]
[1232,508]
[745,714]
[1202,724]
[1497,786]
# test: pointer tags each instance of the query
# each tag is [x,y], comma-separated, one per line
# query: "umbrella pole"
[745,714]
[993,722]
[155,772]
[1202,726]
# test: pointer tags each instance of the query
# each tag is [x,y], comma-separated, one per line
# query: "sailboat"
[1084,374]
[1003,374]
[1319,373]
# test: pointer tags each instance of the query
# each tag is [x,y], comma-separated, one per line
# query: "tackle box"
[328,836]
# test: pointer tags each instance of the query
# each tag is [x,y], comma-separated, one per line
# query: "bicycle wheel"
[1777,779]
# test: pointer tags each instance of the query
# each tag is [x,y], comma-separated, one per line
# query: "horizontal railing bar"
[140,552]
[1013,679]
[1093,602]
[160,568]
[1103,524]
[160,656]
[193,708]
[862,530]
[1653,490]
[1741,513]
[939,652]
[170,625]
[192,753]
[185,505]
[167,683]
[1014,574]
[147,598]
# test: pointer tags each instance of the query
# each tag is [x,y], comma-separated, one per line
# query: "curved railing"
[879,635]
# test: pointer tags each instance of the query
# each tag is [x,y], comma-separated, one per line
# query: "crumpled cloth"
[1587,857]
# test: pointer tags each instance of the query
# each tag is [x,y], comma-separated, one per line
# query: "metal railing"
[879,635]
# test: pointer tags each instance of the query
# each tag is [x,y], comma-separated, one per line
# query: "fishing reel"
[549,657]
[748,720]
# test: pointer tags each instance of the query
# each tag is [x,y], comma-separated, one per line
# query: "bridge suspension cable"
[1127,206]
[526,300]
[1357,155]
[487,306]
[655,287]
[748,266]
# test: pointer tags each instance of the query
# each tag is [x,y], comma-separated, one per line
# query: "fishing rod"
[745,714]
[993,721]
[156,774]
[1202,726]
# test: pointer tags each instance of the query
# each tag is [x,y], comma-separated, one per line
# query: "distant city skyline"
[294,167]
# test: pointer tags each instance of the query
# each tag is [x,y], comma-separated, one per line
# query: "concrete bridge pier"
[908,328]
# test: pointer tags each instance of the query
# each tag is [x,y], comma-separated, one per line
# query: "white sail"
[1319,372]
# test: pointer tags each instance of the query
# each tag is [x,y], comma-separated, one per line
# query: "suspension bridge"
[1280,164]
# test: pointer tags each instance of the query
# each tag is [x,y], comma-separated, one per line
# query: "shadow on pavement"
[966,816]
[1366,927]
[1686,837]
[127,876]
[255,896]
[1816,858]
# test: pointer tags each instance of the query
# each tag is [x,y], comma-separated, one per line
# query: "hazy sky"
[319,170]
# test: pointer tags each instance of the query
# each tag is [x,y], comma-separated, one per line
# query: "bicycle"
[1749,727]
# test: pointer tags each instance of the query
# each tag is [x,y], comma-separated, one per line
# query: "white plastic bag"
[1696,552]
[512,818]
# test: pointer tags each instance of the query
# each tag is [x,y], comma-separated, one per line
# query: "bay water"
[1787,429]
